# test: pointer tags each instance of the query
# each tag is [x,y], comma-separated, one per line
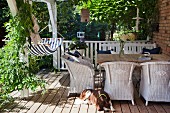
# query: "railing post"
[91,51]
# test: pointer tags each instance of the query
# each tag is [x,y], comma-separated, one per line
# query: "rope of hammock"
[42,46]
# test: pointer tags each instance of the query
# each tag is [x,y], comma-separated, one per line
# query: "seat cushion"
[152,51]
[76,54]
[73,59]
[104,52]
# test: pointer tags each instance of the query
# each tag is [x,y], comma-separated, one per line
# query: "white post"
[13,7]
[24,93]
[55,20]
[137,18]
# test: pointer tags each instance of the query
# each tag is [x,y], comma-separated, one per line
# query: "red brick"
[162,38]
[168,49]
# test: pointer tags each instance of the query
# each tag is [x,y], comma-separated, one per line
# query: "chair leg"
[146,104]
[133,103]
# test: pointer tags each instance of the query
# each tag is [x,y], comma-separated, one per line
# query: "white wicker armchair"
[118,83]
[81,74]
[155,81]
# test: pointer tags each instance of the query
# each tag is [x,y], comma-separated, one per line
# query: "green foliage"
[4,100]
[119,14]
[33,64]
[14,74]
[45,62]
[150,14]
[40,62]
[40,10]
[69,23]
[4,12]
[113,14]
[77,44]
[111,10]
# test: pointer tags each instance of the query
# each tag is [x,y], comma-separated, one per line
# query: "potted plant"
[79,45]
[123,37]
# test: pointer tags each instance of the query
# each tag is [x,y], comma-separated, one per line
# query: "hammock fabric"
[46,47]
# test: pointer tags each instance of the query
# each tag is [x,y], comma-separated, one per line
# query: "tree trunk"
[113,28]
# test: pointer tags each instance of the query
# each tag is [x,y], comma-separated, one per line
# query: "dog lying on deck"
[97,97]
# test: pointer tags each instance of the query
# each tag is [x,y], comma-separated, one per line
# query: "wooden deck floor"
[55,100]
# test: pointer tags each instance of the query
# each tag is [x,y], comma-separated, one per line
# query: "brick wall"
[162,38]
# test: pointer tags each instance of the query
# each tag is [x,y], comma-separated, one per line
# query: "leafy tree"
[4,12]
[40,10]
[150,14]
[4,17]
[69,22]
[112,12]
[119,13]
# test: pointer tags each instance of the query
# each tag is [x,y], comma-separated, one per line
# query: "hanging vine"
[14,74]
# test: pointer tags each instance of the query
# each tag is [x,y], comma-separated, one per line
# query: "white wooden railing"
[91,52]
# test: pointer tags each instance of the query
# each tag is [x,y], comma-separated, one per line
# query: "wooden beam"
[12,6]
[51,8]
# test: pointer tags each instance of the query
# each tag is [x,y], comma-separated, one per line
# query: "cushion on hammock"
[152,51]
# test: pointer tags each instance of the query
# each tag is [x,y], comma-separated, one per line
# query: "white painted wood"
[129,47]
[55,57]
[51,5]
[13,7]
[137,18]
[87,50]
[24,93]
[51,9]
[100,47]
[91,52]
[95,57]
[58,60]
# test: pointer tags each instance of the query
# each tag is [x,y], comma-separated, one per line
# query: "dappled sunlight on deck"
[55,100]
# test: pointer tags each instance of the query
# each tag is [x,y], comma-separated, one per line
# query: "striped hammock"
[46,47]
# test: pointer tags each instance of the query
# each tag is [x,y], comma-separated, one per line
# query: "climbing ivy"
[14,74]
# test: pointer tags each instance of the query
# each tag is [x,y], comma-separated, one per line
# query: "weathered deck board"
[117,106]
[68,105]
[133,108]
[166,106]
[125,107]
[56,100]
[75,108]
[91,109]
[52,93]
[22,103]
[62,102]
[83,108]
[35,102]
[140,104]
[159,108]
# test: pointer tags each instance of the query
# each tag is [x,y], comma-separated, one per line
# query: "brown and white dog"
[97,97]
